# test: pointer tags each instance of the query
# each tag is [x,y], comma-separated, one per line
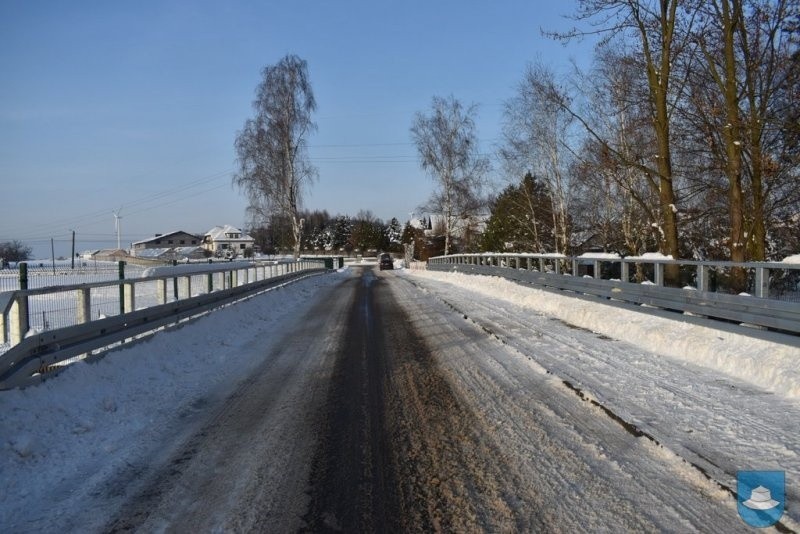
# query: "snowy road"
[388,401]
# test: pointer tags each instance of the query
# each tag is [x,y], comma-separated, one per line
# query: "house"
[170,240]
[228,241]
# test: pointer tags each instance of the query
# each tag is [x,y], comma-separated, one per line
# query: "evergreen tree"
[521,219]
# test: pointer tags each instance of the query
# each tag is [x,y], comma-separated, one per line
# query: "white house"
[228,241]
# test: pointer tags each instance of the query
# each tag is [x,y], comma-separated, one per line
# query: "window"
[224,245]
[183,242]
[242,246]
[158,242]
[169,242]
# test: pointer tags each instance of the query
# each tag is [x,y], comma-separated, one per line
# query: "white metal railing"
[707,288]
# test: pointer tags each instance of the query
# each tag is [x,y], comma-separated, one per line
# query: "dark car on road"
[386,262]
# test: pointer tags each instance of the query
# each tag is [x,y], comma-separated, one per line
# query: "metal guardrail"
[28,353]
[556,272]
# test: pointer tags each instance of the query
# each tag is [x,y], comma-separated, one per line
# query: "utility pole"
[73,250]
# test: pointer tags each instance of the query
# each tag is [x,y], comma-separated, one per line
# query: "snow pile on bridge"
[769,365]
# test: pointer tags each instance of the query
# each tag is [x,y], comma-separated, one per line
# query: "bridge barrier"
[134,306]
[771,305]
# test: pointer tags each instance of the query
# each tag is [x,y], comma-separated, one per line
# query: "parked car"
[386,262]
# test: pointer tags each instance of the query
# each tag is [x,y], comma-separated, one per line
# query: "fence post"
[23,276]
[210,282]
[597,269]
[624,273]
[574,267]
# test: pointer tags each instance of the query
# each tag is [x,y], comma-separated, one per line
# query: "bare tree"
[737,114]
[536,135]
[448,149]
[627,197]
[660,30]
[272,152]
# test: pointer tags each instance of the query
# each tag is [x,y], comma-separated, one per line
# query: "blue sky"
[135,105]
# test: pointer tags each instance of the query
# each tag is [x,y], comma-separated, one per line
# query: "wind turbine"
[117,217]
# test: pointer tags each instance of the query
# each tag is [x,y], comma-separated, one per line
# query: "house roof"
[166,236]
[218,233]
[111,252]
[152,252]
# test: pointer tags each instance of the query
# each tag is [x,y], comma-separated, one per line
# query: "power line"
[58,225]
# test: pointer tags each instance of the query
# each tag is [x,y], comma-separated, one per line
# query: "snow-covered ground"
[93,419]
[720,400]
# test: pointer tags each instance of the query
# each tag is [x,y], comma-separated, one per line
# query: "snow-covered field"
[720,400]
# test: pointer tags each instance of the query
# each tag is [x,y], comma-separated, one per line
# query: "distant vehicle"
[386,262]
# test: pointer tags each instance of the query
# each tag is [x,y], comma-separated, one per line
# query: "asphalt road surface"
[384,410]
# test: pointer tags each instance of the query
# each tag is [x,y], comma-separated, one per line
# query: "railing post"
[557,266]
[161,290]
[597,269]
[702,278]
[18,319]
[762,282]
[541,265]
[84,303]
[624,271]
[130,297]
[210,282]
[121,269]
[186,286]
[658,269]
[574,267]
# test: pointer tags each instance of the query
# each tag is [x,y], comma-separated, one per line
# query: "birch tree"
[274,168]
[536,137]
[447,144]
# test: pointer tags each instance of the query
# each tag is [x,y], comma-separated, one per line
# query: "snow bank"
[792,259]
[769,365]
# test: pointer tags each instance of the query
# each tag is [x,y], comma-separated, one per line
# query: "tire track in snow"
[609,414]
